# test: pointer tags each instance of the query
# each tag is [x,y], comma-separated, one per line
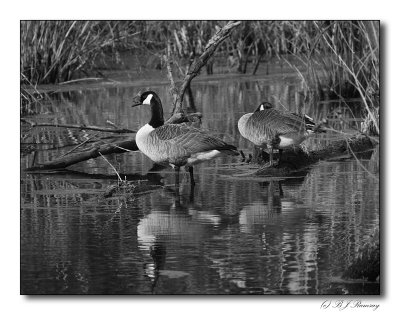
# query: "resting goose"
[269,128]
[175,144]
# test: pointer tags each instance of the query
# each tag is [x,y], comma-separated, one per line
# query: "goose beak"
[136,101]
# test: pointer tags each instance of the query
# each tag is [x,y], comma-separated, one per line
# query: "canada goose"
[271,129]
[175,144]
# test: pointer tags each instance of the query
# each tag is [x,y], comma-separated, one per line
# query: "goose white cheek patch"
[148,99]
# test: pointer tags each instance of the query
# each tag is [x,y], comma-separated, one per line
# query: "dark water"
[231,234]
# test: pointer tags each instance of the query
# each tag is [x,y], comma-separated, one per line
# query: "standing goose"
[271,129]
[175,144]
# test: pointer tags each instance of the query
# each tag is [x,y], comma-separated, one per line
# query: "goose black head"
[145,98]
[151,98]
[264,106]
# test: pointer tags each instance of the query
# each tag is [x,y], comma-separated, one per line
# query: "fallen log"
[294,161]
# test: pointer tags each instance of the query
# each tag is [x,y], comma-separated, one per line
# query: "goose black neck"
[157,114]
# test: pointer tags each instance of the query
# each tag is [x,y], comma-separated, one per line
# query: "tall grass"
[341,59]
[56,51]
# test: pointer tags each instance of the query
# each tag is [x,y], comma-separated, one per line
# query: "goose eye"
[148,99]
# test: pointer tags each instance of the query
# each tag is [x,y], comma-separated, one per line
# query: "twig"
[79,145]
[116,172]
[347,100]
[79,80]
[112,124]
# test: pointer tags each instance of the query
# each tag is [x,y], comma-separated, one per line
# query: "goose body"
[176,144]
[269,128]
[179,145]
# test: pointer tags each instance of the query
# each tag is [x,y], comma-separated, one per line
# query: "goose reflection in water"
[272,207]
[262,211]
[175,222]
[174,232]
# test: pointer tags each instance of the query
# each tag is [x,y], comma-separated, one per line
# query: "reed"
[56,51]
[30,97]
[341,59]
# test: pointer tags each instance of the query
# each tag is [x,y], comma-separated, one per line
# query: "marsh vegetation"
[238,231]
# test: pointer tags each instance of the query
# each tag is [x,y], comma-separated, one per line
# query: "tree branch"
[82,127]
[94,152]
[196,66]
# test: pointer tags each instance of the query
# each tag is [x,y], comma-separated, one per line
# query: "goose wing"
[273,122]
[191,139]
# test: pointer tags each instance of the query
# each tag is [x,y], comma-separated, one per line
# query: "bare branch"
[94,152]
[196,66]
[82,127]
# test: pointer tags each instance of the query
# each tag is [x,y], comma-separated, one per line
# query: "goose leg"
[271,157]
[190,169]
[191,197]
[280,155]
[257,154]
[176,168]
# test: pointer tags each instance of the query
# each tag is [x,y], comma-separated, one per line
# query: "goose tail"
[312,127]
[229,150]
